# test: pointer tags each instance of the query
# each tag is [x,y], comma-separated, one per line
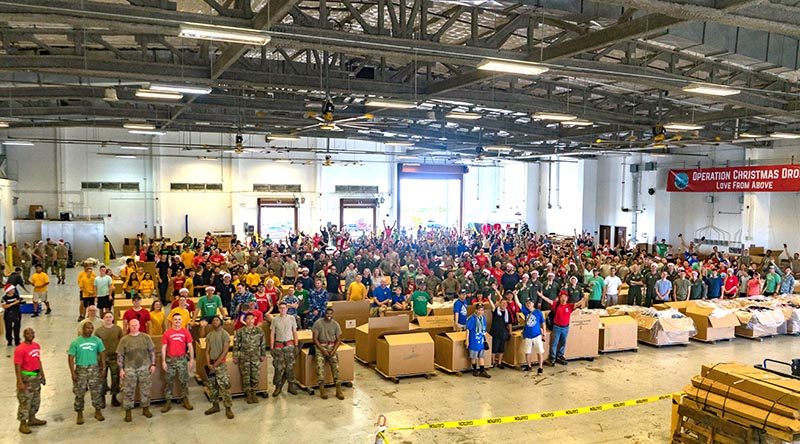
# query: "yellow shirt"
[126,272]
[86,284]
[184,316]
[39,281]
[252,279]
[356,291]
[189,285]
[156,323]
[277,281]
[146,287]
[187,257]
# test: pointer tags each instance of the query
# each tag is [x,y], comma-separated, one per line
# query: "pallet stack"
[732,402]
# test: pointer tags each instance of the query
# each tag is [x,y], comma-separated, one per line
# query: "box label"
[350,323]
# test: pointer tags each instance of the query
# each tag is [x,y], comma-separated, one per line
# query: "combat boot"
[277,390]
[322,393]
[23,427]
[128,415]
[214,409]
[255,397]
[34,421]
[146,412]
[114,401]
[79,421]
[167,406]
[339,393]
[228,413]
[248,396]
[98,415]
[186,404]
[292,388]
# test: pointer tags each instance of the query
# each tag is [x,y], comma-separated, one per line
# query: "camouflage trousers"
[133,377]
[48,265]
[113,368]
[283,363]
[88,380]
[321,359]
[219,385]
[30,398]
[26,271]
[61,268]
[180,367]
[249,369]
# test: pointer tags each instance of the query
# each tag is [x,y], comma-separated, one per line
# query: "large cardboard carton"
[367,334]
[710,325]
[435,324]
[487,314]
[773,387]
[442,311]
[401,354]
[618,333]
[122,305]
[515,349]
[660,332]
[678,305]
[584,336]
[390,312]
[451,354]
[760,332]
[201,359]
[349,315]
[305,369]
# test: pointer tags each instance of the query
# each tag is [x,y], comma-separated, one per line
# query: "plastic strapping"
[766,417]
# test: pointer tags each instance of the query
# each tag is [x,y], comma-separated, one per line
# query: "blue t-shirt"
[381,294]
[398,298]
[460,307]
[533,323]
[714,287]
[476,327]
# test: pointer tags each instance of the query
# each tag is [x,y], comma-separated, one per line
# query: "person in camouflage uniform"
[86,357]
[327,337]
[177,357]
[249,351]
[283,346]
[26,260]
[110,333]
[62,254]
[30,377]
[219,381]
[49,254]
[317,301]
[136,359]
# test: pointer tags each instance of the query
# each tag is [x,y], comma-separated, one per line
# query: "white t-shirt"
[612,284]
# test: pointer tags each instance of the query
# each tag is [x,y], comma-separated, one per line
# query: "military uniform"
[135,355]
[635,291]
[283,351]
[650,280]
[27,357]
[327,334]
[49,256]
[26,260]
[249,347]
[88,380]
[219,382]
[62,253]
[30,398]
[111,337]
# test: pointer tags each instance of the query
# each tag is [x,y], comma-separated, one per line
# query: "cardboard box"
[148,267]
[584,336]
[391,312]
[349,315]
[367,335]
[305,368]
[515,349]
[678,305]
[201,359]
[773,387]
[435,324]
[712,328]
[451,354]
[659,332]
[487,314]
[761,332]
[442,311]
[618,333]
[401,354]
[123,305]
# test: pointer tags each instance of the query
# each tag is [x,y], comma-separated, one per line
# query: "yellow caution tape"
[533,416]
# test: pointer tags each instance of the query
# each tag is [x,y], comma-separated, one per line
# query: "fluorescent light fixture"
[186,89]
[398,143]
[125,157]
[498,148]
[749,135]
[224,34]
[203,123]
[147,132]
[462,116]
[395,104]
[139,126]
[677,126]
[152,94]
[711,89]
[17,143]
[558,117]
[780,135]
[133,147]
[272,137]
[577,122]
[528,69]
[3,124]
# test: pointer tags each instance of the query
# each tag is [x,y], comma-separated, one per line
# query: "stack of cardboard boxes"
[408,353]
[367,335]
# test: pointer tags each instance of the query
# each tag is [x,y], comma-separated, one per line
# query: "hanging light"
[711,89]
[679,126]
[528,69]
[394,104]
[139,126]
[186,89]
[558,117]
[462,116]
[223,34]
[152,94]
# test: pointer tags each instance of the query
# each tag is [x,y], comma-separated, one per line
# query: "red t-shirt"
[190,307]
[263,301]
[259,318]
[143,316]
[177,342]
[177,283]
[731,285]
[272,295]
[562,314]
[198,261]
[26,356]
[217,259]
[482,260]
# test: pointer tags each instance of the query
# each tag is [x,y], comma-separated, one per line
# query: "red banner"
[771,178]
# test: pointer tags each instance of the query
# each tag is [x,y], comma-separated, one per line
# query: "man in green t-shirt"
[662,248]
[596,284]
[87,359]
[772,281]
[208,306]
[420,300]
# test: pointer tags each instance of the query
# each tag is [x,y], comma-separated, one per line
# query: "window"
[110,186]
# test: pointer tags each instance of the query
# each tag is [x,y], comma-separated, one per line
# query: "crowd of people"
[509,275]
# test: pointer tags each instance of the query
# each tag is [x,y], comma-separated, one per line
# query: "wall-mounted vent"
[276,188]
[195,187]
[357,189]
[110,186]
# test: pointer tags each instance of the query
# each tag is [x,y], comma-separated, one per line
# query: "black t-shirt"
[225,291]
[509,281]
[333,281]
[162,267]
[10,298]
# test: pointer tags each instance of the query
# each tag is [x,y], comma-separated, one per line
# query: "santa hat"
[9,287]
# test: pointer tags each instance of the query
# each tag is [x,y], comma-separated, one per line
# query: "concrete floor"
[304,418]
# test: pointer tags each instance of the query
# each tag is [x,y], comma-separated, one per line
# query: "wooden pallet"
[368,364]
[310,389]
[605,352]
[396,379]
[653,344]
[756,338]
[696,427]
[714,341]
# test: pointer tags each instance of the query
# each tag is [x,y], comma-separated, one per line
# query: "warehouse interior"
[557,136]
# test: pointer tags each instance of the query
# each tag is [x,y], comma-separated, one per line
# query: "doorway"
[430,196]
[358,216]
[605,234]
[620,236]
[277,217]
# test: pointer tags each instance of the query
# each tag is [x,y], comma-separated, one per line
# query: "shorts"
[533,345]
[498,345]
[87,302]
[39,297]
[103,302]
[477,354]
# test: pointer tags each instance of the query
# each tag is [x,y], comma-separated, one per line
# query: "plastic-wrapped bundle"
[665,327]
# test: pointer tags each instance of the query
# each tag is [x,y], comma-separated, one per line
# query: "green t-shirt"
[419,301]
[661,249]
[772,282]
[85,350]
[596,284]
[303,296]
[208,307]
